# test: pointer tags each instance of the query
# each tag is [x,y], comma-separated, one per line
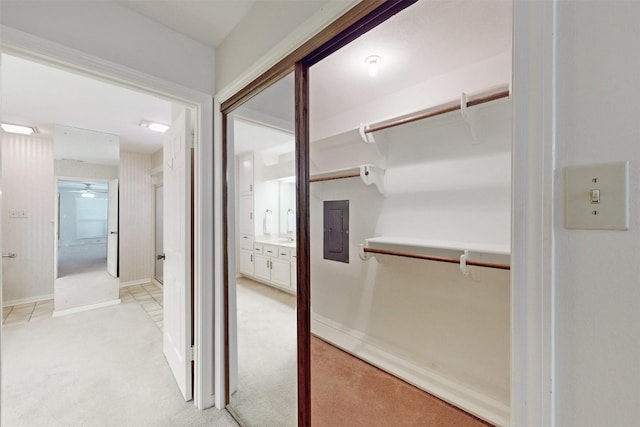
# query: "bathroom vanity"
[266,221]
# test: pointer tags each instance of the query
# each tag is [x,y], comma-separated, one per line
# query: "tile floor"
[148,296]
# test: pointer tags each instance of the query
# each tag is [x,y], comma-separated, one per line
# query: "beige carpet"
[267,357]
[102,367]
[349,392]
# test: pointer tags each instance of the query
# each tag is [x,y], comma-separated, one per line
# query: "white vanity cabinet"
[245,174]
[273,265]
[281,268]
[246,264]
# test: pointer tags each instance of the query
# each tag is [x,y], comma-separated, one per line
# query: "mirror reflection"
[262,300]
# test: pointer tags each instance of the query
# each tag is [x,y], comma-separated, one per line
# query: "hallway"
[102,367]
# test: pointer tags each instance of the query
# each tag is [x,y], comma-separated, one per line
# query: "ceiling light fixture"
[373,63]
[88,195]
[157,127]
[22,130]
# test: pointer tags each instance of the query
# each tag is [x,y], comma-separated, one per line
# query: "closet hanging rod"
[438,258]
[495,94]
[341,174]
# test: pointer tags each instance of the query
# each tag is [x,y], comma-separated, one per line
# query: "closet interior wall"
[423,321]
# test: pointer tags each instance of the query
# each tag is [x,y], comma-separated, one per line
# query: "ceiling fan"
[87,192]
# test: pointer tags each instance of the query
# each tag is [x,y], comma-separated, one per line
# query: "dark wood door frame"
[357,21]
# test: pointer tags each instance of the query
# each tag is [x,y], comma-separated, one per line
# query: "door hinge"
[193,353]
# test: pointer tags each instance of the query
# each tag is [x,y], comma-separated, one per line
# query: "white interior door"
[177,250]
[112,226]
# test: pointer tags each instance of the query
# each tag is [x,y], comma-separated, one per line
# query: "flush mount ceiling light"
[373,63]
[157,127]
[22,130]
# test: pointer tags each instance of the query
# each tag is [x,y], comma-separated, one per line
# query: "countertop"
[275,240]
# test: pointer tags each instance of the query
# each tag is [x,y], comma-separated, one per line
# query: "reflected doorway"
[82,228]
[87,244]
[159,262]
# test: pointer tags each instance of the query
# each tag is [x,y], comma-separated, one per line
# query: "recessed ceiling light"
[157,127]
[22,130]
[373,63]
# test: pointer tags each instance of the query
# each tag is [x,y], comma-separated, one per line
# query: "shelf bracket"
[464,268]
[469,116]
[366,137]
[364,256]
[371,174]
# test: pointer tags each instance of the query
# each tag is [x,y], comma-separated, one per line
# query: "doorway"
[82,227]
[86,245]
[159,224]
[202,105]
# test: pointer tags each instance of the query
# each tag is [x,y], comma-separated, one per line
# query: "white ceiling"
[207,21]
[42,96]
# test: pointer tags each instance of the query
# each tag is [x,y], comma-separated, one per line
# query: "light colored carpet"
[82,277]
[81,258]
[267,358]
[103,367]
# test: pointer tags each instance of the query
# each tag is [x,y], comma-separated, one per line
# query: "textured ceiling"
[426,40]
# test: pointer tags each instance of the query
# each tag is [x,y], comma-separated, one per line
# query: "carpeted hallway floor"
[97,368]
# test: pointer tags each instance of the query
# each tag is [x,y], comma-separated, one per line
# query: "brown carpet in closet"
[348,392]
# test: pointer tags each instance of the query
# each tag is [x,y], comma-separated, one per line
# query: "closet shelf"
[462,105]
[370,174]
[463,253]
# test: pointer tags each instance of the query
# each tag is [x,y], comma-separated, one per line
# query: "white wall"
[597,274]
[440,184]
[110,31]
[136,217]
[76,169]
[68,223]
[264,26]
[28,183]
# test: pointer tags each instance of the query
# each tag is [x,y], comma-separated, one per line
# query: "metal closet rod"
[438,258]
[488,96]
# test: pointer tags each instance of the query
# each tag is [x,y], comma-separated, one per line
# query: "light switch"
[597,196]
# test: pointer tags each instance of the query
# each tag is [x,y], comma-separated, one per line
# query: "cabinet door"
[281,272]
[262,267]
[245,171]
[246,215]
[246,262]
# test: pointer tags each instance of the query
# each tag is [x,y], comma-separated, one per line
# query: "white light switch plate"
[612,212]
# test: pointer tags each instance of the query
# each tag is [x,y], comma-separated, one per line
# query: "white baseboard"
[373,352]
[158,284]
[59,313]
[29,300]
[135,282]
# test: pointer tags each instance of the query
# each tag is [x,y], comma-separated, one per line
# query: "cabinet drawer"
[283,253]
[258,248]
[246,242]
[270,250]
